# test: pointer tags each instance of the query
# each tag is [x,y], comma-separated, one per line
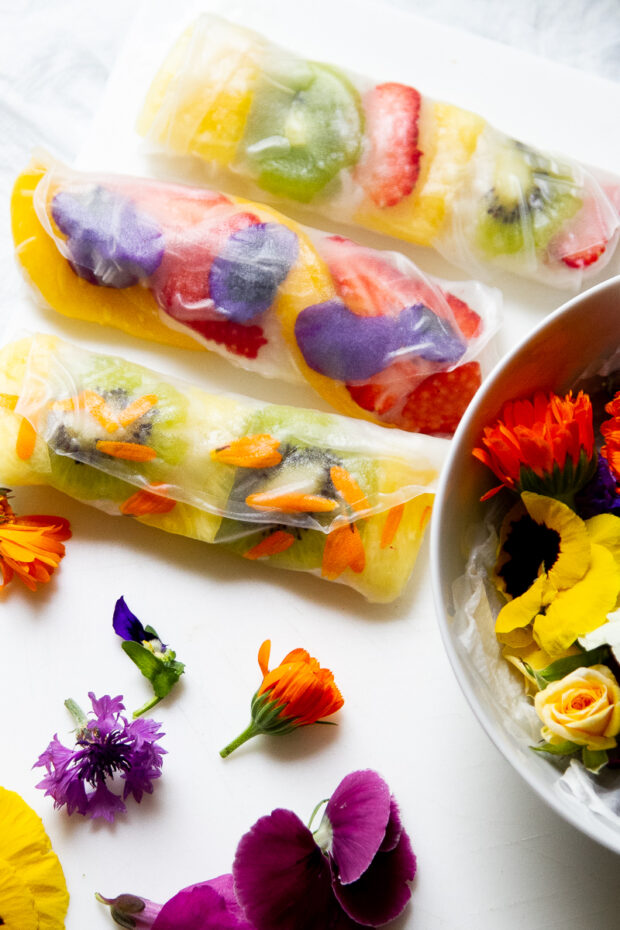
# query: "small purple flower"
[207,906]
[353,871]
[600,494]
[106,746]
[142,644]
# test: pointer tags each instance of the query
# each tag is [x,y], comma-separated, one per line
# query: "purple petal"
[358,811]
[103,803]
[383,891]
[126,624]
[199,907]
[225,886]
[107,710]
[393,830]
[282,879]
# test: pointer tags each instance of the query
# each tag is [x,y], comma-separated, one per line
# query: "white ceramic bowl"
[584,330]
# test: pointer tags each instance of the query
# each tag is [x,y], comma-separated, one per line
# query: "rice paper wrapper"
[377,155]
[295,488]
[366,329]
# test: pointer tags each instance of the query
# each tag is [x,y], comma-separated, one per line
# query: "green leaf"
[165,679]
[563,667]
[153,632]
[594,759]
[148,664]
[558,749]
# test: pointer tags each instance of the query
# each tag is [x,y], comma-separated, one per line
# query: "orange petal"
[26,440]
[260,451]
[137,409]
[392,522]
[132,451]
[343,549]
[263,656]
[98,409]
[279,541]
[148,501]
[290,502]
[348,487]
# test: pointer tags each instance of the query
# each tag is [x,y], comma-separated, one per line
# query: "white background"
[491,855]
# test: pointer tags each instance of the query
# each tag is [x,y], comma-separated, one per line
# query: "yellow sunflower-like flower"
[33,893]
[560,573]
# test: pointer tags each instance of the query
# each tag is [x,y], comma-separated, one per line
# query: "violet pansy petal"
[198,907]
[282,880]
[126,624]
[225,886]
[104,803]
[393,829]
[358,812]
[383,891]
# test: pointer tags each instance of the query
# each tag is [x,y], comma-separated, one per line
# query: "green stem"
[77,713]
[149,704]
[247,734]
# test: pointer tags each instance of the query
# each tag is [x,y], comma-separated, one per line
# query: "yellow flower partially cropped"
[33,893]
[583,707]
[560,573]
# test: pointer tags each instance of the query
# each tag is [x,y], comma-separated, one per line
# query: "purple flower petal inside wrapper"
[358,811]
[383,891]
[200,907]
[282,879]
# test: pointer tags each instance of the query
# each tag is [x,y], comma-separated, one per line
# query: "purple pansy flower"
[106,745]
[600,494]
[142,644]
[353,871]
[207,906]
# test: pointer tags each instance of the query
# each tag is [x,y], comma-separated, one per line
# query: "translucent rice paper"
[366,329]
[381,156]
[300,489]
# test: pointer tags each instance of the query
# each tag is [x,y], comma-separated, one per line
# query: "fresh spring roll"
[366,329]
[381,156]
[298,489]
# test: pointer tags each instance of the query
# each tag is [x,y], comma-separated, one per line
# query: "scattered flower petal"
[31,546]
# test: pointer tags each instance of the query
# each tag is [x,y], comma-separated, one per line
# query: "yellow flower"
[33,893]
[583,707]
[560,573]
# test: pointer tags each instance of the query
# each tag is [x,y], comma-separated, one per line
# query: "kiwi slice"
[305,125]
[531,197]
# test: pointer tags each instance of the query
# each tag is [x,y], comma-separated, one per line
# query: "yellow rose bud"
[583,707]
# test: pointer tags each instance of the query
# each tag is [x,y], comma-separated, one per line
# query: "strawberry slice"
[373,286]
[181,283]
[582,242]
[438,403]
[389,168]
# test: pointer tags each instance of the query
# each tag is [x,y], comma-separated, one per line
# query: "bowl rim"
[503,743]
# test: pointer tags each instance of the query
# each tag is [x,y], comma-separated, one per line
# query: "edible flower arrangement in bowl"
[526,560]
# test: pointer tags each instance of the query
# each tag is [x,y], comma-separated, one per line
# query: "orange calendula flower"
[294,694]
[610,431]
[545,445]
[30,546]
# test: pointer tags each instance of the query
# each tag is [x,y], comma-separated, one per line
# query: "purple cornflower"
[106,746]
[353,871]
[207,906]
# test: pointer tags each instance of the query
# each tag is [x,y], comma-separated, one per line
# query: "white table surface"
[490,854]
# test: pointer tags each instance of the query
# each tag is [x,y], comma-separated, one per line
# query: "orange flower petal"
[290,502]
[390,527]
[260,451]
[137,409]
[132,451]
[148,501]
[263,656]
[276,542]
[343,549]
[348,487]
[26,440]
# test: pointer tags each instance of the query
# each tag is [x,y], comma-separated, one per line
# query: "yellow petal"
[523,609]
[25,848]
[604,529]
[574,556]
[580,608]
[17,908]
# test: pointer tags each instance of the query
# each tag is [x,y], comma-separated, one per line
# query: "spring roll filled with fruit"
[366,329]
[295,488]
[378,155]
